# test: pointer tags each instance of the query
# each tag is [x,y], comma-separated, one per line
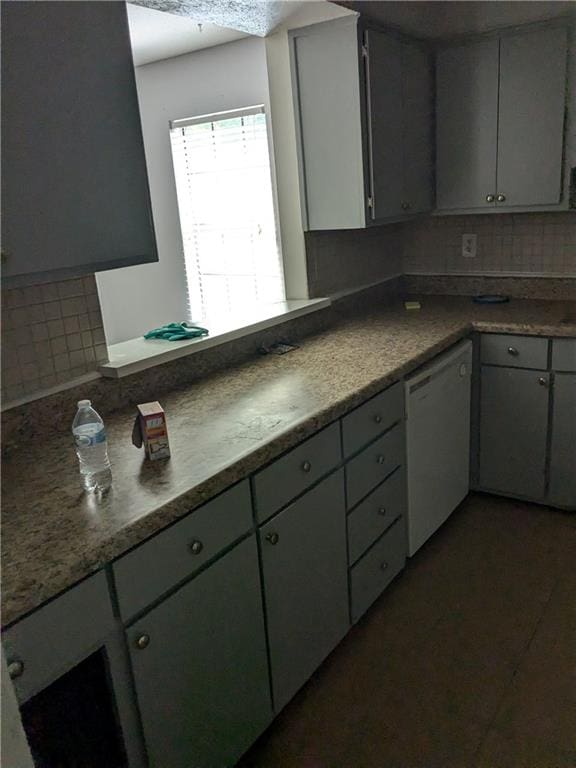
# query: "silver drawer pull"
[500,198]
[380,459]
[378,418]
[382,511]
[383,566]
[543,381]
[489,198]
[142,641]
[306,466]
[272,538]
[513,351]
[196,547]
[15,669]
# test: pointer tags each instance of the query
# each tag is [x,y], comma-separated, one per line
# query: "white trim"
[216,116]
[139,354]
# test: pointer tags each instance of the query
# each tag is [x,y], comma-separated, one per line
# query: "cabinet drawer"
[371,466]
[564,355]
[287,477]
[375,514]
[59,635]
[371,419]
[154,567]
[514,351]
[372,574]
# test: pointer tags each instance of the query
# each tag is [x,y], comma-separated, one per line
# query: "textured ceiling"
[255,17]
[155,35]
[438,19]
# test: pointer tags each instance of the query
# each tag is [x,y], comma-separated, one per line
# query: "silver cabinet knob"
[306,466]
[513,351]
[382,511]
[15,669]
[500,198]
[272,538]
[196,546]
[378,418]
[380,459]
[383,566]
[489,198]
[405,206]
[142,641]
[543,381]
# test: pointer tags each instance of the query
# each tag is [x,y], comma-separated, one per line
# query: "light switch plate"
[469,246]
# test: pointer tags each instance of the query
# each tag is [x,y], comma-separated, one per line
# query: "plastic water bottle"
[91,448]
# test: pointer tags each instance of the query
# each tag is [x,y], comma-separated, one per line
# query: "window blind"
[224,189]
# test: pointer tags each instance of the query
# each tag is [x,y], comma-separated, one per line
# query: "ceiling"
[254,17]
[156,35]
[438,18]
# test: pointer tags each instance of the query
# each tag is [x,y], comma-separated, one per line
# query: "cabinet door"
[384,98]
[202,680]
[74,184]
[466,125]
[325,68]
[513,430]
[562,489]
[531,117]
[417,128]
[306,585]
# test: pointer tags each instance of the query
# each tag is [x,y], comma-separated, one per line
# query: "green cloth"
[176,332]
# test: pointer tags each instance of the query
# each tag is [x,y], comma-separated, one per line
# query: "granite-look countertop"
[221,429]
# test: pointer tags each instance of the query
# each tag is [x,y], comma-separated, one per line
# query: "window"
[224,188]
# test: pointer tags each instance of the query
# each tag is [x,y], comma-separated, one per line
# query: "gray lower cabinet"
[513,431]
[200,666]
[562,488]
[304,565]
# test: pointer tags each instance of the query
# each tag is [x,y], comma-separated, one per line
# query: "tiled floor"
[468,659]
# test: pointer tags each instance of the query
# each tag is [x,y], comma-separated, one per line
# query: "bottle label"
[84,441]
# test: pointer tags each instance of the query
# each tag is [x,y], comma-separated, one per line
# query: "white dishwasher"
[438,441]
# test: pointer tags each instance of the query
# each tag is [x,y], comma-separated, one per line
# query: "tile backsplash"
[342,260]
[51,334]
[508,244]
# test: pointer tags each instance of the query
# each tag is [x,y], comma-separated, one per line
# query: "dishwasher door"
[438,441]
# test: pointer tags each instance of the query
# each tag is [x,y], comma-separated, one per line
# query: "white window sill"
[139,354]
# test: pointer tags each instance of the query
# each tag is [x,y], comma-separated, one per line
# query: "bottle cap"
[84,403]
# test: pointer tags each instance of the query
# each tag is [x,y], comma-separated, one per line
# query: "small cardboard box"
[150,430]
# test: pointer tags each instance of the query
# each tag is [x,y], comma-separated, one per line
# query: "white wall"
[231,76]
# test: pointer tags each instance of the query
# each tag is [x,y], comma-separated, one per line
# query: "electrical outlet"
[469,246]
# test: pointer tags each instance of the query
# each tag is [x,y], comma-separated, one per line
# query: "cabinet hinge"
[364,51]
[370,202]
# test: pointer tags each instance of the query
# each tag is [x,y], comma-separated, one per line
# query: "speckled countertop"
[221,429]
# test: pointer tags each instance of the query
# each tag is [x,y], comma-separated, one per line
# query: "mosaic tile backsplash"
[51,335]
[507,243]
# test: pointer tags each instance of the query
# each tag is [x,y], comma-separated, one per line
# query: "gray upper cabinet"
[74,184]
[399,87]
[363,121]
[417,131]
[466,125]
[513,431]
[500,122]
[531,117]
[200,666]
[304,564]
[384,97]
[562,490]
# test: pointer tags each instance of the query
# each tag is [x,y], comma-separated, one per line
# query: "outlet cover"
[469,246]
